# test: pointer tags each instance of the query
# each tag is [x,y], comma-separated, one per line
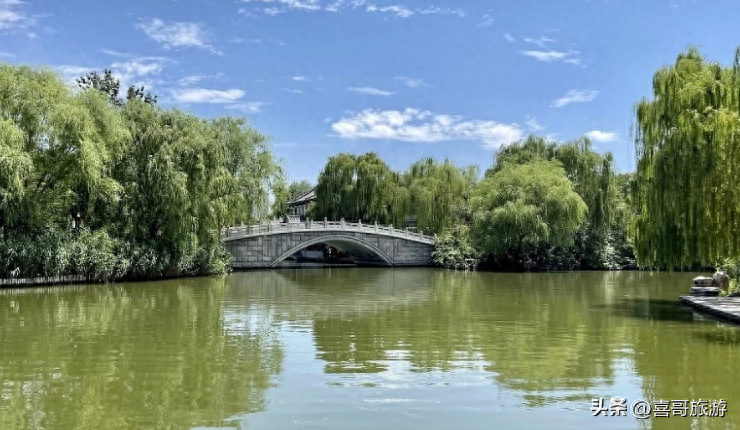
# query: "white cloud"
[300,78]
[533,124]
[290,90]
[412,82]
[137,67]
[13,19]
[551,56]
[245,12]
[576,61]
[256,41]
[277,7]
[509,37]
[442,11]
[486,21]
[70,72]
[575,96]
[6,55]
[541,42]
[251,107]
[413,125]
[190,80]
[335,7]
[601,136]
[114,53]
[194,79]
[370,91]
[398,10]
[173,35]
[137,71]
[203,95]
[309,5]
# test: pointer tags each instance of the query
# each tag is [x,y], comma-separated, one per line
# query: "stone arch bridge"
[267,245]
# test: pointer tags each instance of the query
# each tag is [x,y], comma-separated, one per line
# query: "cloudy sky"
[404,78]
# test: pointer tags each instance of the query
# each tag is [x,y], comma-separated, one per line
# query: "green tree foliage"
[281,197]
[441,193]
[283,193]
[61,147]
[436,193]
[591,173]
[455,249]
[149,189]
[110,86]
[360,187]
[686,199]
[601,242]
[524,206]
[180,186]
[299,188]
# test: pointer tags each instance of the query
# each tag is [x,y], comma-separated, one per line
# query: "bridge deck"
[240,232]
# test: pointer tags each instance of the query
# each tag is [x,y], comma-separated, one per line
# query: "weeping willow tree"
[150,187]
[440,193]
[591,173]
[686,198]
[532,148]
[360,188]
[57,148]
[523,206]
[15,170]
[601,242]
[185,178]
[436,193]
[251,170]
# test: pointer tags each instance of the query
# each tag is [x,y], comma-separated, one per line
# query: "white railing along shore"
[279,227]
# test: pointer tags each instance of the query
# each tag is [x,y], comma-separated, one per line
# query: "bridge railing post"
[390,227]
[341,223]
[326,223]
[406,232]
[376,226]
[359,223]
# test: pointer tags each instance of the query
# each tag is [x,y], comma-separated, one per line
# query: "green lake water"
[350,348]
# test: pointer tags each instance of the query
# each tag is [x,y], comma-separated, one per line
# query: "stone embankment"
[704,297]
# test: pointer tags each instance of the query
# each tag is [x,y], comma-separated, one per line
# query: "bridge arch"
[341,242]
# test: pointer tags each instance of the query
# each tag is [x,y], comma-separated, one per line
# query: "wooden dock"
[726,308]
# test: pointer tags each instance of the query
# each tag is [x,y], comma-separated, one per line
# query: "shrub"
[454,248]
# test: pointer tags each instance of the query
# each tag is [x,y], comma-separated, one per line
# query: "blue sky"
[404,78]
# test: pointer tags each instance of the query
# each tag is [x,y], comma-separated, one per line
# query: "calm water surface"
[361,349]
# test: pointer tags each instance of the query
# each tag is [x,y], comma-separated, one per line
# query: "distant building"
[298,208]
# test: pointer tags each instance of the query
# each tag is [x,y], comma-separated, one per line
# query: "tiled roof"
[306,198]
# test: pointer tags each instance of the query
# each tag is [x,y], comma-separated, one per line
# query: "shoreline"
[50,281]
[62,280]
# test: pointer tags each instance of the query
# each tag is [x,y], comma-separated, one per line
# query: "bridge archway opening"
[359,251]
